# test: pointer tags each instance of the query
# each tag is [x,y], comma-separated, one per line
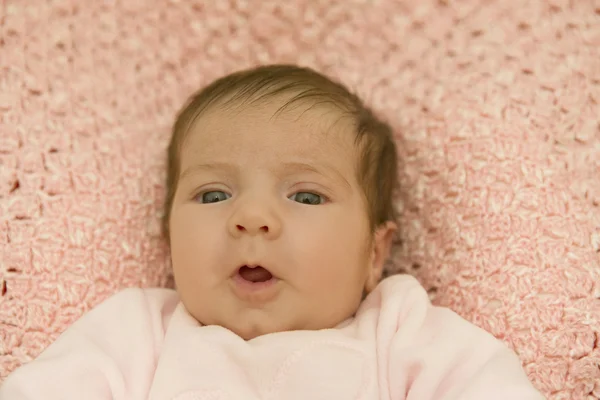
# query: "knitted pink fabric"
[496,105]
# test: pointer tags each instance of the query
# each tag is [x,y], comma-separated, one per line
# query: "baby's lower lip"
[240,280]
[254,292]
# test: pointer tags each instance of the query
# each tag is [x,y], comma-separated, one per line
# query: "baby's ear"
[382,244]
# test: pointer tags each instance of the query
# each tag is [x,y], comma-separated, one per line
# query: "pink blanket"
[496,106]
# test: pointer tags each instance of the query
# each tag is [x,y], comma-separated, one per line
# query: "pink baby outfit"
[142,344]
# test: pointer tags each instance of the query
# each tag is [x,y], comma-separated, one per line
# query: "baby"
[279,215]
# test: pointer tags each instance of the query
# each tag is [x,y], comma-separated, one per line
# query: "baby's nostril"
[242,228]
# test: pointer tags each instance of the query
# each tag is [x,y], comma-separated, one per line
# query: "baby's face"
[269,228]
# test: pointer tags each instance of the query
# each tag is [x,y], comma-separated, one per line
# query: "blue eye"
[307,198]
[214,196]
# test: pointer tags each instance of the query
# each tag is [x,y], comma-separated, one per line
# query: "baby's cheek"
[195,234]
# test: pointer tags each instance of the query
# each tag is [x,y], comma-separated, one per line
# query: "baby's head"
[279,209]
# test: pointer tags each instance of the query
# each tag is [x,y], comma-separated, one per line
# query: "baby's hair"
[377,163]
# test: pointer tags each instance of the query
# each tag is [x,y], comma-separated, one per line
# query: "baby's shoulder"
[137,294]
[401,287]
[135,304]
[133,297]
[397,299]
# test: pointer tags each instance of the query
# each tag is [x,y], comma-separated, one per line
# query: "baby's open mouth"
[254,274]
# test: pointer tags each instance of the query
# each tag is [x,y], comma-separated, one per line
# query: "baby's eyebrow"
[214,166]
[317,168]
[286,168]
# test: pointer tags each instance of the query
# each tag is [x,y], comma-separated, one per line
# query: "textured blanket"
[496,105]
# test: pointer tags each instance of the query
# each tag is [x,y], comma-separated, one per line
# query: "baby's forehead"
[288,117]
[266,133]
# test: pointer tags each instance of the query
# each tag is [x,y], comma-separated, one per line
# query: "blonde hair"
[377,163]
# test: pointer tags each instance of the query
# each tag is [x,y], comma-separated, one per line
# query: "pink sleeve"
[109,353]
[437,355]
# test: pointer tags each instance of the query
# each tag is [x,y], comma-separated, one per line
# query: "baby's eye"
[307,198]
[214,196]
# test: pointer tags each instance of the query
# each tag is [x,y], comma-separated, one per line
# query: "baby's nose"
[253,220]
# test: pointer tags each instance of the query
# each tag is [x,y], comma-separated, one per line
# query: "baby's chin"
[252,333]
[250,324]
[247,324]
[252,330]
[249,330]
